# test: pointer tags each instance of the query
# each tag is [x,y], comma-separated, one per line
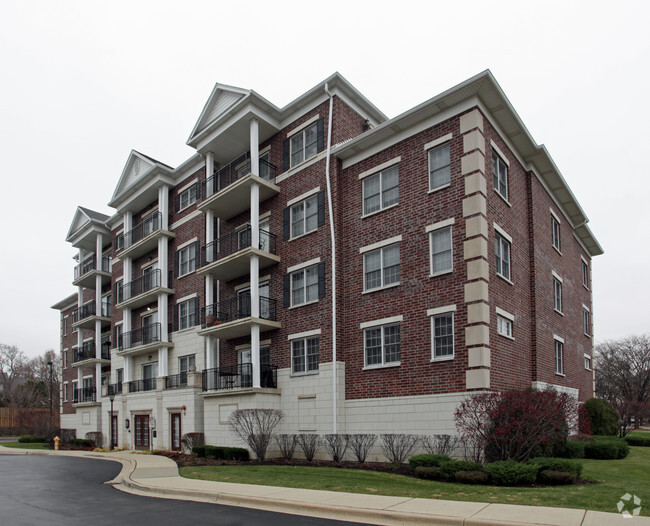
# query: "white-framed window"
[304,216]
[587,362]
[440,241]
[505,321]
[585,273]
[304,285]
[304,145]
[304,355]
[187,314]
[502,253]
[382,345]
[184,364]
[265,166]
[442,335]
[75,391]
[187,259]
[65,358]
[188,197]
[557,293]
[586,325]
[381,268]
[119,376]
[65,326]
[559,356]
[65,391]
[439,167]
[500,175]
[555,232]
[381,190]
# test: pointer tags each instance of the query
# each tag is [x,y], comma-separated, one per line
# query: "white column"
[163,206]
[128,369]
[163,364]
[254,260]
[209,170]
[98,383]
[255,354]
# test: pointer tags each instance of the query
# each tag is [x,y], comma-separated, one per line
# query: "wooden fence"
[27,419]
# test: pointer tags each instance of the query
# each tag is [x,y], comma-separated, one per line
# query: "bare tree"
[360,445]
[439,444]
[287,445]
[255,427]
[28,383]
[398,447]
[309,443]
[12,370]
[336,445]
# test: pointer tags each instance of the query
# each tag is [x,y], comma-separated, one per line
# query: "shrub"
[607,448]
[309,443]
[397,447]
[213,452]
[67,434]
[640,441]
[96,437]
[336,446]
[471,477]
[199,451]
[428,473]
[255,427]
[602,417]
[189,440]
[360,445]
[427,461]
[287,445]
[236,453]
[439,444]
[570,449]
[31,439]
[557,464]
[556,478]
[81,442]
[511,472]
[449,469]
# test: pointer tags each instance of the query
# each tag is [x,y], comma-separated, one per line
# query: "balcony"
[87,271]
[227,258]
[87,354]
[84,317]
[227,191]
[239,377]
[85,395]
[140,341]
[141,291]
[232,318]
[176,380]
[142,238]
[148,384]
[114,389]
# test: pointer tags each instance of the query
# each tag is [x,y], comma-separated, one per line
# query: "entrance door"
[141,431]
[150,328]
[265,306]
[176,431]
[114,429]
[265,236]
[246,368]
[149,375]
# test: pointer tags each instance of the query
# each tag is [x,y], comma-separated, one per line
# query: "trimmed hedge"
[602,417]
[428,461]
[511,472]
[199,451]
[472,477]
[556,478]
[427,472]
[81,442]
[606,448]
[30,439]
[639,441]
[570,449]
[449,469]
[221,452]
[557,464]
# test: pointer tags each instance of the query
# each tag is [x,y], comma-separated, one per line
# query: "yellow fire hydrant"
[57,440]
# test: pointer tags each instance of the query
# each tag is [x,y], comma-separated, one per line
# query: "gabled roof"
[85,222]
[66,302]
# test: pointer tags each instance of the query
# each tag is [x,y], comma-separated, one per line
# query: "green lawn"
[26,445]
[614,478]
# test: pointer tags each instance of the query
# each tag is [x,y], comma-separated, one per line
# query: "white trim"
[441,310]
[381,365]
[369,291]
[438,141]
[383,321]
[380,167]
[305,334]
[149,312]
[303,126]
[180,222]
[380,244]
[265,215]
[585,307]
[503,234]
[119,322]
[86,376]
[186,187]
[505,314]
[303,196]
[500,153]
[187,244]
[557,276]
[439,225]
[185,298]
[265,150]
[88,339]
[555,215]
[247,285]
[559,339]
[300,266]
[380,210]
[295,169]
[149,263]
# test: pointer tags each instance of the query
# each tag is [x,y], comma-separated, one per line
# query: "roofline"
[65,303]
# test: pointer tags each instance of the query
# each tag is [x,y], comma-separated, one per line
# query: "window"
[65,391]
[381,190]
[304,145]
[304,216]
[119,376]
[75,392]
[442,327]
[188,196]
[502,252]
[117,342]
[381,267]
[65,326]
[184,364]
[187,313]
[587,362]
[439,167]
[504,326]
[585,273]
[559,357]
[557,294]
[555,230]
[265,166]
[585,321]
[65,359]
[382,345]
[304,355]
[186,259]
[500,174]
[441,255]
[119,291]
[304,285]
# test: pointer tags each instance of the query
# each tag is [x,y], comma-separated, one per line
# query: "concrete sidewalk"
[157,476]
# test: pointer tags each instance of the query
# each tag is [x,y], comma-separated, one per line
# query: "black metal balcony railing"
[90,264]
[84,395]
[176,380]
[238,377]
[233,171]
[115,389]
[235,241]
[236,309]
[87,351]
[140,285]
[88,309]
[147,226]
[148,384]
[137,337]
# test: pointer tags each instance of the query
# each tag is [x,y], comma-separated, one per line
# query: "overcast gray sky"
[84,82]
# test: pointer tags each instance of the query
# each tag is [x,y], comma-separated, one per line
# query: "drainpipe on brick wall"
[331,216]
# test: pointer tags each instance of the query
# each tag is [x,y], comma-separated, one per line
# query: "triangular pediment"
[221,98]
[136,167]
[82,217]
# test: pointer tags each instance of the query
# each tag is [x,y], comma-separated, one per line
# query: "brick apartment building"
[360,273]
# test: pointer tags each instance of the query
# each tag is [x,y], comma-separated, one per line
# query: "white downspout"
[331,217]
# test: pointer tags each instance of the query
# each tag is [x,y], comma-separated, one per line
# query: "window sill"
[442,359]
[557,250]
[506,336]
[363,216]
[559,312]
[505,279]
[392,285]
[502,198]
[585,286]
[303,235]
[307,373]
[434,190]
[181,210]
[191,273]
[295,169]
[381,366]
[441,273]
[560,374]
[186,329]
[303,304]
